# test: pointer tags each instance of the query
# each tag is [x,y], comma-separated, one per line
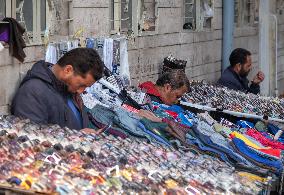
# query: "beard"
[244,73]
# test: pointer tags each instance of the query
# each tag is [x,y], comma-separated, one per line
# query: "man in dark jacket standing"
[49,94]
[235,76]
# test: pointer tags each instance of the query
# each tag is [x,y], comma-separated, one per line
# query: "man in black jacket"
[49,94]
[235,76]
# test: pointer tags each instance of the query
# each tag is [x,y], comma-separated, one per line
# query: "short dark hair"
[176,78]
[83,60]
[239,55]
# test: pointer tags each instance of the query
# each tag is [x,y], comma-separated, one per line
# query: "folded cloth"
[252,177]
[205,133]
[156,127]
[255,170]
[274,153]
[264,140]
[269,153]
[120,118]
[223,130]
[249,142]
[176,129]
[260,126]
[157,137]
[251,155]
[113,131]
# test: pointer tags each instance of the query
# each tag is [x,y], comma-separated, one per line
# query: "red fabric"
[272,152]
[150,87]
[173,114]
[130,108]
[264,140]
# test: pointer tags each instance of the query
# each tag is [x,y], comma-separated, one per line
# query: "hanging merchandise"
[72,44]
[99,46]
[90,43]
[113,52]
[55,50]
[124,65]
[51,54]
[116,56]
[108,53]
[1,47]
[13,35]
[207,10]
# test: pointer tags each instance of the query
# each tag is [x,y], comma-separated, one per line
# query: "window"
[31,14]
[198,15]
[280,6]
[133,16]
[246,12]
[121,15]
[147,15]
[2,9]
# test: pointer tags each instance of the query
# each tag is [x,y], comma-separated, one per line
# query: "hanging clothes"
[51,54]
[108,53]
[16,41]
[124,65]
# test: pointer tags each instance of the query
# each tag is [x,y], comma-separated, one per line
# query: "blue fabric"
[221,146]
[273,129]
[75,111]
[173,108]
[194,141]
[183,116]
[251,154]
[121,119]
[155,136]
[184,120]
[90,43]
[245,124]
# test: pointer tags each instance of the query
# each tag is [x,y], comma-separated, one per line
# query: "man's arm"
[29,102]
[254,88]
[258,78]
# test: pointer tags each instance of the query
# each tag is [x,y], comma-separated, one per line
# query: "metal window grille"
[198,14]
[246,12]
[121,15]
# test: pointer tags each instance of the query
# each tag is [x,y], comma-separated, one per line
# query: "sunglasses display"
[221,98]
[50,159]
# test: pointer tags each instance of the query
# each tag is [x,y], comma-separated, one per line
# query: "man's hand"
[258,78]
[149,115]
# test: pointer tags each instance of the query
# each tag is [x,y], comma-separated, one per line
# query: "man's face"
[246,67]
[75,82]
[172,95]
[78,84]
